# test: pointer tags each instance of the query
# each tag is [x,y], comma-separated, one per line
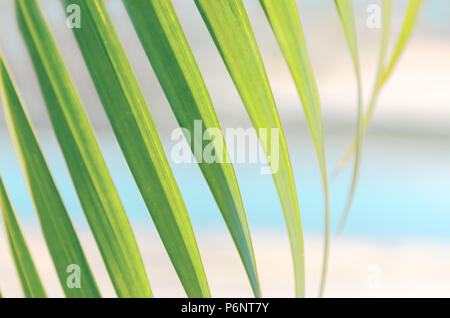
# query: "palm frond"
[174,64]
[383,74]
[345,9]
[138,138]
[408,25]
[405,34]
[386,15]
[285,22]
[59,233]
[96,191]
[29,277]
[232,33]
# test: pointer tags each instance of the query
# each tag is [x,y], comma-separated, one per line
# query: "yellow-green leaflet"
[29,277]
[232,33]
[174,64]
[138,138]
[96,191]
[345,9]
[386,26]
[285,22]
[382,75]
[57,227]
[408,25]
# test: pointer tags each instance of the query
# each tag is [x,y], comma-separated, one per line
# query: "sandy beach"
[358,267]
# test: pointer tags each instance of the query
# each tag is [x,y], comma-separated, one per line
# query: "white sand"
[358,268]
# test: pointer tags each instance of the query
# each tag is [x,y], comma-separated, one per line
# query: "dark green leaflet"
[174,64]
[29,277]
[96,191]
[138,138]
[59,233]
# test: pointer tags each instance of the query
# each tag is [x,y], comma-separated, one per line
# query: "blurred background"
[397,240]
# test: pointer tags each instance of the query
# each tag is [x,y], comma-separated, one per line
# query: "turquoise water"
[403,193]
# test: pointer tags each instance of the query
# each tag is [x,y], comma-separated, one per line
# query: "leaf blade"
[410,21]
[345,9]
[138,138]
[383,74]
[386,16]
[94,186]
[285,22]
[408,25]
[174,64]
[29,277]
[59,233]
[230,28]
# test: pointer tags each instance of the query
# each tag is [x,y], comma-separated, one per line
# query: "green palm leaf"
[383,74]
[29,277]
[138,138]
[285,22]
[174,64]
[98,196]
[57,227]
[408,25]
[345,9]
[386,26]
[232,33]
